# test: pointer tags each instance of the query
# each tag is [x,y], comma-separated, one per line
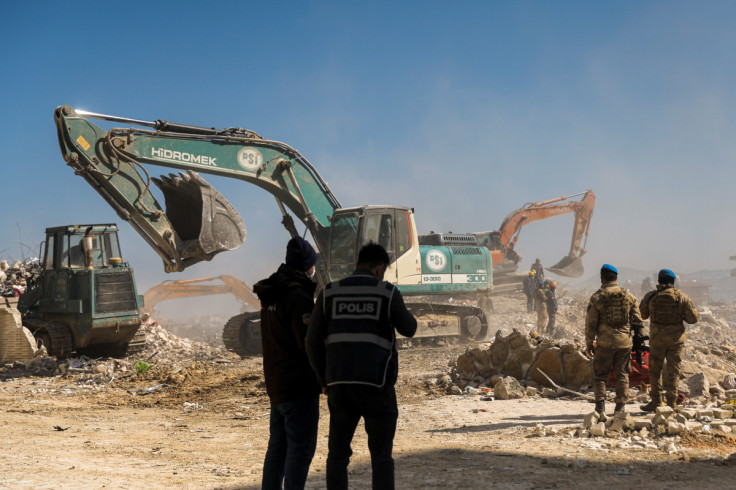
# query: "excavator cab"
[352,228]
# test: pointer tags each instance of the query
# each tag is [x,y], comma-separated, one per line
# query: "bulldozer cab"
[81,247]
[353,228]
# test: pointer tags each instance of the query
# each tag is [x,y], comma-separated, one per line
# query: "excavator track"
[242,334]
[473,322]
[56,337]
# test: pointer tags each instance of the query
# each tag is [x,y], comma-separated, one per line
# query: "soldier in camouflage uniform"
[612,315]
[666,307]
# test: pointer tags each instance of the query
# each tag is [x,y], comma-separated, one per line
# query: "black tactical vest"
[360,337]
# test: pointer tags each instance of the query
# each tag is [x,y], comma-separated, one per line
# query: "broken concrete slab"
[665,411]
[16,341]
[698,385]
[674,428]
[590,419]
[703,413]
[598,429]
[508,388]
[719,413]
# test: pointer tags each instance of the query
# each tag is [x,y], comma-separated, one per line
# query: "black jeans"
[291,444]
[348,403]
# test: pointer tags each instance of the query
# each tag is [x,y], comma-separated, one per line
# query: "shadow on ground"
[458,468]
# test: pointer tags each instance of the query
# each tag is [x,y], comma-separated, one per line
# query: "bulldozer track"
[137,344]
[58,334]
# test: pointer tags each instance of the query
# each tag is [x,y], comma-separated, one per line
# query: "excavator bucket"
[204,220]
[568,267]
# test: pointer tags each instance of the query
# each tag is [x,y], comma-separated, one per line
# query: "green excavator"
[447,287]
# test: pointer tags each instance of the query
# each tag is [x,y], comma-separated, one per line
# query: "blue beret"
[609,268]
[664,274]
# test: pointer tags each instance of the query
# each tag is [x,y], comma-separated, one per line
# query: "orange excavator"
[501,243]
[242,341]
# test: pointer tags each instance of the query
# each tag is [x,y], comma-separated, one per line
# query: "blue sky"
[464,112]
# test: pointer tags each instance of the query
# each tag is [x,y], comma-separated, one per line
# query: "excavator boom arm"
[570,265]
[199,287]
[111,161]
[532,212]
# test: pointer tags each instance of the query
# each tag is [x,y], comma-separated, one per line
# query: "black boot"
[619,407]
[600,406]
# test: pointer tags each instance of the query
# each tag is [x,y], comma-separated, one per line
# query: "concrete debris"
[15,277]
[16,341]
[550,393]
[590,419]
[517,350]
[522,356]
[698,385]
[162,343]
[598,429]
[508,388]
[621,422]
[660,430]
[721,414]
[665,411]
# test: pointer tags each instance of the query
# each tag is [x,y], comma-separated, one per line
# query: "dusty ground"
[208,427]
[190,423]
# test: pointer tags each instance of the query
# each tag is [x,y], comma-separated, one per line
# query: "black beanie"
[300,255]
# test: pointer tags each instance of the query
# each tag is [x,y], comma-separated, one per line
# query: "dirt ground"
[205,425]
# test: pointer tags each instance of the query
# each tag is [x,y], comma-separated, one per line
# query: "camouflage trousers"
[657,355]
[603,360]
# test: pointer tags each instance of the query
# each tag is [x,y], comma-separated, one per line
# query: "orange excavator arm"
[571,265]
[197,287]
[503,241]
[536,211]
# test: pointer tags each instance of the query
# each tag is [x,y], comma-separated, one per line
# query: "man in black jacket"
[287,300]
[351,344]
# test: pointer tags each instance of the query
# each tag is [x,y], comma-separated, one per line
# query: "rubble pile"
[517,351]
[527,357]
[15,277]
[663,428]
[164,344]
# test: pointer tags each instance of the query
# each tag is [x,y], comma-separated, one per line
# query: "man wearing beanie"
[612,315]
[287,300]
[666,307]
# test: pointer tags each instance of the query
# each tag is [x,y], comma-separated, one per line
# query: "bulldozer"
[84,298]
[448,288]
[241,334]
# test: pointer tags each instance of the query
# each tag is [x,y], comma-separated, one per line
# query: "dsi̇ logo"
[435,260]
